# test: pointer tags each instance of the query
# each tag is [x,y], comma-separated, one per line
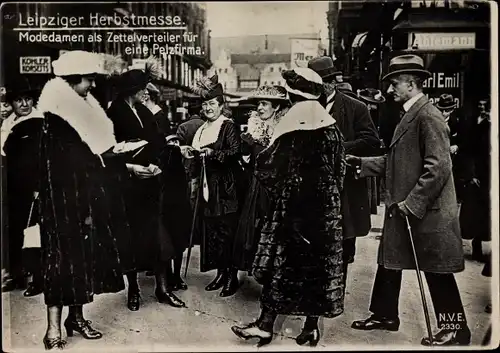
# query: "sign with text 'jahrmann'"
[35,65]
[441,41]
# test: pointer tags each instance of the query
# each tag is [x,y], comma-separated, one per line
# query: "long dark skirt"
[150,242]
[475,213]
[217,241]
[250,222]
[300,279]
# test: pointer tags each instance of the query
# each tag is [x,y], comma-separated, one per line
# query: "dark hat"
[446,102]
[371,95]
[133,80]
[19,86]
[269,93]
[324,67]
[208,87]
[407,64]
[303,82]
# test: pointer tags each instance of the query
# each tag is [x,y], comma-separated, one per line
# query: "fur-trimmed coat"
[78,223]
[299,256]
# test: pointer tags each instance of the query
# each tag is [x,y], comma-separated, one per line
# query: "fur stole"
[85,115]
[262,130]
[208,133]
[306,115]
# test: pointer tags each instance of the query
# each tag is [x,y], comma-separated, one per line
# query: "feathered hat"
[269,93]
[208,87]
[136,79]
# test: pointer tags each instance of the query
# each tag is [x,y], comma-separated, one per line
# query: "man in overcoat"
[419,182]
[361,139]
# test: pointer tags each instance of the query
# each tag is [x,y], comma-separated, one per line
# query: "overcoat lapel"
[409,116]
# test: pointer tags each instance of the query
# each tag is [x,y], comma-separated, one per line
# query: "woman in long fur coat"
[79,256]
[299,256]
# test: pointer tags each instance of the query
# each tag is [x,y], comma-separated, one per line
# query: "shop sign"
[446,77]
[168,93]
[35,65]
[441,41]
[303,50]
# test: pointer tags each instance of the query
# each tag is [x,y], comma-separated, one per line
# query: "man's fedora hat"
[371,95]
[407,64]
[324,67]
[446,102]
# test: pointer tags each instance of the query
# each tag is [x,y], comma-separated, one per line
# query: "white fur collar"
[306,115]
[208,133]
[85,115]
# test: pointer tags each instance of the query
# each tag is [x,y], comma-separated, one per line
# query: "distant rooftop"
[253,59]
[276,44]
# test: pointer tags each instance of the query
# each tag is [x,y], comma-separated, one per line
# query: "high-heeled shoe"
[253,331]
[82,327]
[33,289]
[166,297]
[51,343]
[311,336]
[218,281]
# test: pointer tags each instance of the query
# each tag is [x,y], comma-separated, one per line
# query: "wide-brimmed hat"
[303,82]
[446,101]
[78,62]
[324,67]
[407,64]
[371,95]
[268,93]
[208,87]
[133,80]
[18,87]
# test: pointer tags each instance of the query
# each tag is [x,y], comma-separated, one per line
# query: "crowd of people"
[96,195]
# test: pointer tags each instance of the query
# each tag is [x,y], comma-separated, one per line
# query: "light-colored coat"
[418,171]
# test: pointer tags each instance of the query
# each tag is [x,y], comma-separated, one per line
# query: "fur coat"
[78,224]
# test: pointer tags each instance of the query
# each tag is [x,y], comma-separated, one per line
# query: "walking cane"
[419,277]
[195,212]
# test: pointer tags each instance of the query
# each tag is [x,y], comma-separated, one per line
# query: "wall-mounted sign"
[35,65]
[441,41]
[303,50]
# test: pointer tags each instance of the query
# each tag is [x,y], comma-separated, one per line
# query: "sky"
[252,17]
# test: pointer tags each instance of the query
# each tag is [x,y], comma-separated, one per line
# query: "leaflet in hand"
[124,147]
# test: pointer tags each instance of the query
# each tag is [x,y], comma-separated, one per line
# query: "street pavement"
[205,324]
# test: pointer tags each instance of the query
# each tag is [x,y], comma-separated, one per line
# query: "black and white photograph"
[249,175]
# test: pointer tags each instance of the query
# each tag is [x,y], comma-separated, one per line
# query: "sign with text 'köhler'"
[441,41]
[35,65]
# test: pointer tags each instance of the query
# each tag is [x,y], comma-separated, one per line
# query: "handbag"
[32,236]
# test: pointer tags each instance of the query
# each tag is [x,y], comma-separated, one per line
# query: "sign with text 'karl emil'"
[441,41]
[35,65]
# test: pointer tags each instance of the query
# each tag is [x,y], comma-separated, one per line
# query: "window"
[272,82]
[271,69]
[220,70]
[225,71]
[265,82]
[249,84]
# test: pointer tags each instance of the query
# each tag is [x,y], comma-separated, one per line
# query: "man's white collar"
[409,103]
